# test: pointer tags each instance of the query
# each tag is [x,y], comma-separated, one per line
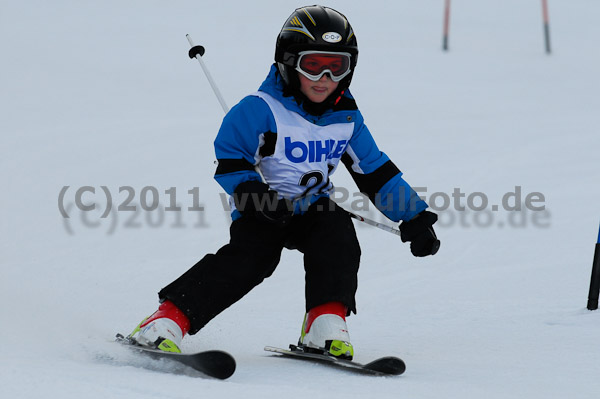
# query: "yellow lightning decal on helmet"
[309,16]
[300,27]
[350,36]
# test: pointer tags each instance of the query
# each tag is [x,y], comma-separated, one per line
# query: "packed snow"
[103,95]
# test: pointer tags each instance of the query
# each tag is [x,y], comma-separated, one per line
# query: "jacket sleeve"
[377,176]
[238,142]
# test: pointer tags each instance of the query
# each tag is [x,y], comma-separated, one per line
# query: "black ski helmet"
[314,28]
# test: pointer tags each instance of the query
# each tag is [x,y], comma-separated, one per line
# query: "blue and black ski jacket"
[296,152]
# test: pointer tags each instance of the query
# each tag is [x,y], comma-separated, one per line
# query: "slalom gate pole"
[546,17]
[595,280]
[446,25]
[197,51]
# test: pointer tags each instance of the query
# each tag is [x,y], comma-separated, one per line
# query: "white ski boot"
[324,330]
[163,330]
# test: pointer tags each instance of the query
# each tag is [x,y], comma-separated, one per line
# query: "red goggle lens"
[314,64]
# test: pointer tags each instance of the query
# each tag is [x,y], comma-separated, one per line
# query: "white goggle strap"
[318,77]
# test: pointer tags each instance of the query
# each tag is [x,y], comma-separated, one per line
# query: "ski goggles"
[314,64]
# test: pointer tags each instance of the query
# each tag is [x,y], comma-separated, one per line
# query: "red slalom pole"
[546,25]
[446,25]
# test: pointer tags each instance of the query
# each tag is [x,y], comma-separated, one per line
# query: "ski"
[388,365]
[212,363]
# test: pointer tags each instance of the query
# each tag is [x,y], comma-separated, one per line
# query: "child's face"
[317,91]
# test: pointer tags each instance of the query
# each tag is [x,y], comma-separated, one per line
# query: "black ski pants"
[324,234]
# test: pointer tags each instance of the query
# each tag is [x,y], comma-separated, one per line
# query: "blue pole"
[595,280]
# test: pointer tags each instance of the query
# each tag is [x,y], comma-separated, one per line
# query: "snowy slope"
[103,94]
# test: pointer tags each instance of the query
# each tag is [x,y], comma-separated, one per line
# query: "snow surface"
[103,94]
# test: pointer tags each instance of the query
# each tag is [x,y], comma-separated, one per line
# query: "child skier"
[276,150]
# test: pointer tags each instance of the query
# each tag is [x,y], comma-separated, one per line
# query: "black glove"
[255,198]
[419,231]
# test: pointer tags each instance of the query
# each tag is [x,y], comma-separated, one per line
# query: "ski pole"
[381,226]
[197,52]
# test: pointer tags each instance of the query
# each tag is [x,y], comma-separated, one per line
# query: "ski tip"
[387,365]
[217,364]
